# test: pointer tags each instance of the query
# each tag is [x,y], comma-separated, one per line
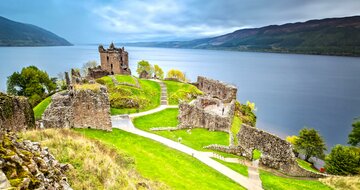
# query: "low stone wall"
[96,72]
[217,89]
[79,108]
[206,112]
[276,152]
[16,113]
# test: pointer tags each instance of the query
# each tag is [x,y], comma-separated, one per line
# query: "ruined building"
[114,60]
[214,111]
[80,107]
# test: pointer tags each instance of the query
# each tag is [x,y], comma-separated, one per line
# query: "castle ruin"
[214,111]
[114,60]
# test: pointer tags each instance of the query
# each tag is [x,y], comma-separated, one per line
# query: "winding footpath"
[124,122]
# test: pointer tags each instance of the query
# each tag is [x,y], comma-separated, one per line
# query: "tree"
[310,143]
[173,73]
[158,72]
[354,136]
[86,66]
[32,83]
[292,139]
[144,66]
[343,160]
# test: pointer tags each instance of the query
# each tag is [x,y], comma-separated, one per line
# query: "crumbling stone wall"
[217,89]
[206,112]
[96,72]
[16,113]
[27,165]
[276,152]
[79,108]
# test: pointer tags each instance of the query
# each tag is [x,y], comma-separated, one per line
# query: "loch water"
[290,90]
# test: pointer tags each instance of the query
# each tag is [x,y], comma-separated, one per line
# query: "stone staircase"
[163,96]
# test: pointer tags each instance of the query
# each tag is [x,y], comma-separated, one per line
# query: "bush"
[246,114]
[343,160]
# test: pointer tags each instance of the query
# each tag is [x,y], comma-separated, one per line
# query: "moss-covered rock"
[27,165]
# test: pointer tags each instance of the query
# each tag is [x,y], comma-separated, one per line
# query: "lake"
[290,91]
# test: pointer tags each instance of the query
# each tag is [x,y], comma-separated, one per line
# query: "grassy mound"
[342,183]
[129,99]
[111,170]
[41,107]
[125,79]
[180,91]
[271,181]
[197,138]
[158,162]
[306,165]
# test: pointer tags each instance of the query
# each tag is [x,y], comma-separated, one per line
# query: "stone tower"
[114,60]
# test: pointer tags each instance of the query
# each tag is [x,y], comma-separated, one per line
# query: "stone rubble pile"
[27,165]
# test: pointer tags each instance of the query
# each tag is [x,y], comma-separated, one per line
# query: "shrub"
[343,160]
[245,113]
[158,72]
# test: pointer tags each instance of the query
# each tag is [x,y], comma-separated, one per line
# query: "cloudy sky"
[102,21]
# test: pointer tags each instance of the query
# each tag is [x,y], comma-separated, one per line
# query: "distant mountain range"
[331,36]
[20,34]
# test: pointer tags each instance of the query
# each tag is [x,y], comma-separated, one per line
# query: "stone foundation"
[16,113]
[79,108]
[206,112]
[218,89]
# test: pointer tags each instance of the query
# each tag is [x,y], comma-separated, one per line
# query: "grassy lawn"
[125,78]
[160,163]
[273,182]
[306,165]
[111,170]
[235,128]
[241,169]
[180,91]
[126,99]
[40,108]
[197,138]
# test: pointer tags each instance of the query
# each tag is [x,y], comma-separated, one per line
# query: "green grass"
[241,169]
[306,165]
[158,162]
[125,78]
[235,128]
[197,138]
[256,154]
[180,91]
[273,182]
[126,99]
[41,107]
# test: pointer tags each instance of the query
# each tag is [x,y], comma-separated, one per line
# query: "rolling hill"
[20,34]
[331,36]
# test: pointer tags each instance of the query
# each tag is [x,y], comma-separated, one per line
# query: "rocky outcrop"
[27,165]
[217,89]
[206,112]
[16,113]
[79,108]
